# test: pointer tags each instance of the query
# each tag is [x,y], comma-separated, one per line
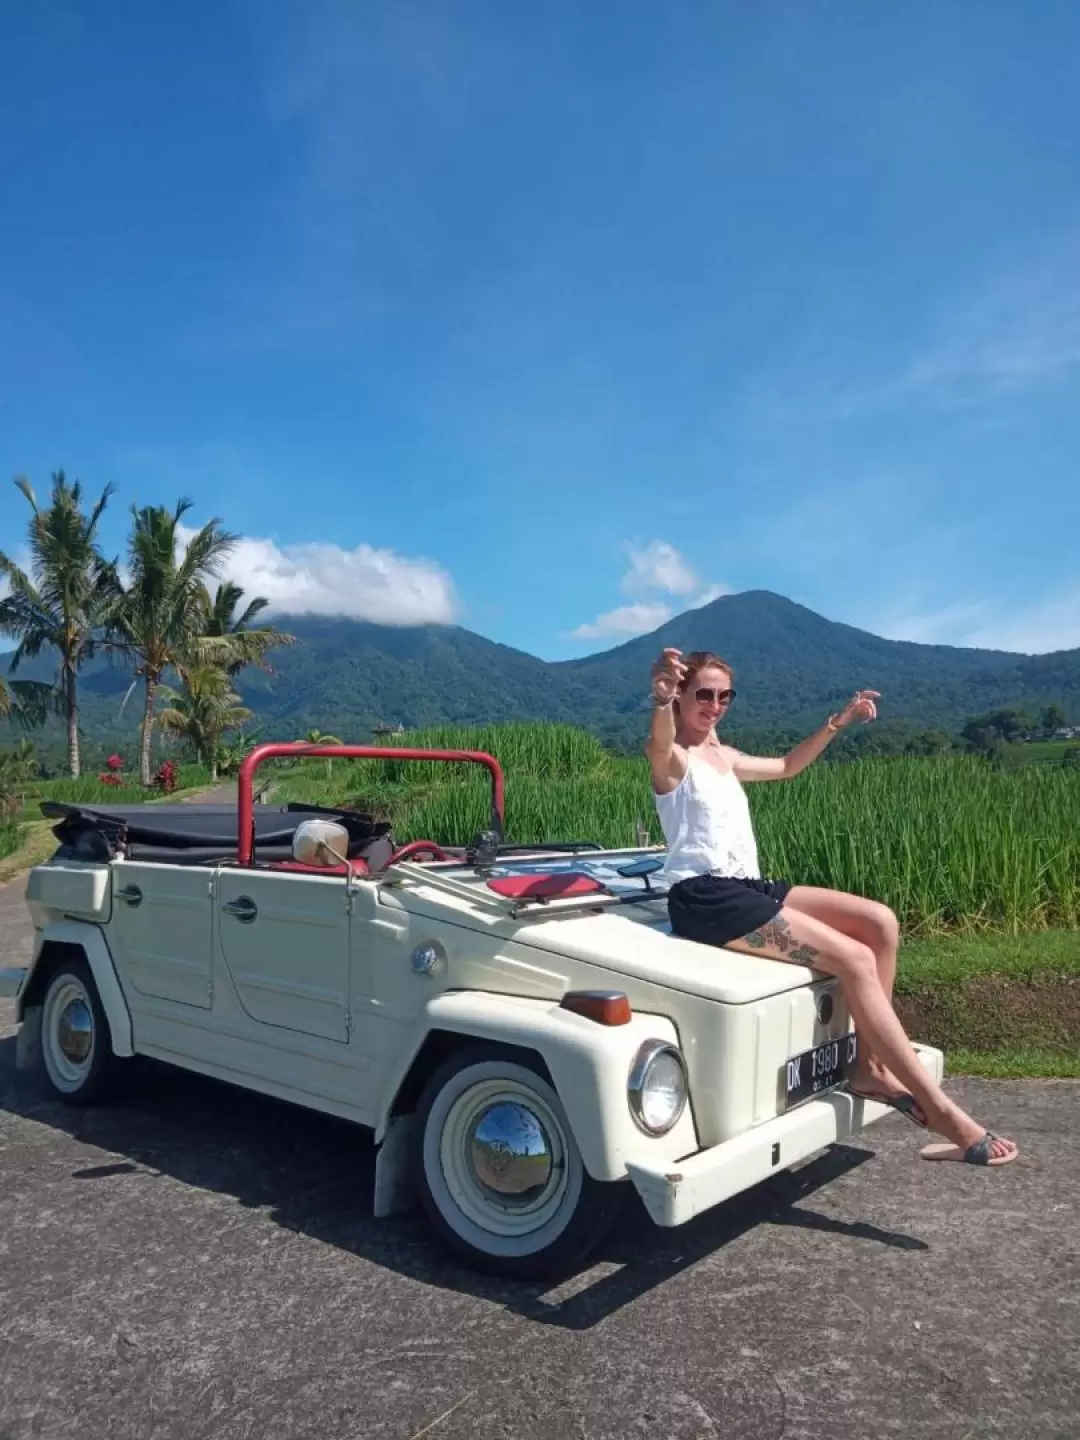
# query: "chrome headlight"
[656,1088]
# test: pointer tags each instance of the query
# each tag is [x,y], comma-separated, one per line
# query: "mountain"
[792,667]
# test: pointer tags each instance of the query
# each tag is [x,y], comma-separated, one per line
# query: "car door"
[162,920]
[283,939]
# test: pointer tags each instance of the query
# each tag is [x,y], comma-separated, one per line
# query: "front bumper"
[676,1190]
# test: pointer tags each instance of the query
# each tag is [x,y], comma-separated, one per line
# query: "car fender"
[91,942]
[589,1065]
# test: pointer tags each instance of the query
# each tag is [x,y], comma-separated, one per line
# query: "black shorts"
[716,909]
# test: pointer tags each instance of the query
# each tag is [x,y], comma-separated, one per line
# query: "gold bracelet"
[831,725]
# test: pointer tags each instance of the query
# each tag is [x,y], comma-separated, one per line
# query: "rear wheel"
[499,1171]
[76,1046]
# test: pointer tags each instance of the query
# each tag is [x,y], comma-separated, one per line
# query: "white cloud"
[930,627]
[1048,625]
[1035,631]
[658,567]
[364,583]
[711,593]
[1014,330]
[625,621]
[1021,332]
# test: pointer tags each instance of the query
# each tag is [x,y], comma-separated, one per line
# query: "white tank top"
[707,826]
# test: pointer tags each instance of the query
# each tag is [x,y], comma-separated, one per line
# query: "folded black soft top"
[190,834]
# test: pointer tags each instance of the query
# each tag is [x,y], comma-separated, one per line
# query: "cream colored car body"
[306,987]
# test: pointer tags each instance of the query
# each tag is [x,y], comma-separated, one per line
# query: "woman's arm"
[782,767]
[667,760]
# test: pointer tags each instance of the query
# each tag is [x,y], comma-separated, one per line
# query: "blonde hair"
[699,660]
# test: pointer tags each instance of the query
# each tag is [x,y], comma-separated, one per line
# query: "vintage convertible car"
[518,1026]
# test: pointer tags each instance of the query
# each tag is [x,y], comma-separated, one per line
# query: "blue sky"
[554,320]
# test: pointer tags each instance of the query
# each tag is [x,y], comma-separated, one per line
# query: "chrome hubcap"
[75,1031]
[501,1164]
[67,1037]
[511,1153]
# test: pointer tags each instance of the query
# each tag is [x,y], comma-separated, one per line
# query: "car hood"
[636,941]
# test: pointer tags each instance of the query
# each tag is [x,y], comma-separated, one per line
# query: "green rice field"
[951,843]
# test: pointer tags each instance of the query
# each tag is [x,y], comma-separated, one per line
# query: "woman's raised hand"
[667,675]
[860,707]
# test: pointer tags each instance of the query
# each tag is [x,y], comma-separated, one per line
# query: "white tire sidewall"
[516,1078]
[67,1076]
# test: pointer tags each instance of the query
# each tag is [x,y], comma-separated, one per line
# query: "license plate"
[819,1069]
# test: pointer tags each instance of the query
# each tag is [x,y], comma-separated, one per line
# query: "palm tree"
[60,605]
[158,621]
[205,709]
[221,620]
[316,737]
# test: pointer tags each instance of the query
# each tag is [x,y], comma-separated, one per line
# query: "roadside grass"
[1001,1006]
[36,843]
[953,959]
[1014,1062]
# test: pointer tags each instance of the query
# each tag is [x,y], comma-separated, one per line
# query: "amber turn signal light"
[606,1007]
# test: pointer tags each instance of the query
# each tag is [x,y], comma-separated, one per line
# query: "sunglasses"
[706,696]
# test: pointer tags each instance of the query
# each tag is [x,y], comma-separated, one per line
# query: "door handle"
[130,895]
[243,908]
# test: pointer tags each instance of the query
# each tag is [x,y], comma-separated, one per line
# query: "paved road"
[16,932]
[197,1262]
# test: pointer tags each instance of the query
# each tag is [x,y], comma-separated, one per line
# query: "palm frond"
[206,552]
[95,514]
[173,722]
[23,484]
[34,702]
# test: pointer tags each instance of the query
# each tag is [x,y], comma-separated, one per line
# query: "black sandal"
[899,1100]
[977,1153]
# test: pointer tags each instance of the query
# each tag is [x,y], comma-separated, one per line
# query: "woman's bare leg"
[866,920]
[804,940]
[874,925]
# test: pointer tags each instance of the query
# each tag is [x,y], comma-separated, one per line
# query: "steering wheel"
[417,847]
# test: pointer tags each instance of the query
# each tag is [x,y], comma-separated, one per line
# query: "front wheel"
[76,1046]
[498,1170]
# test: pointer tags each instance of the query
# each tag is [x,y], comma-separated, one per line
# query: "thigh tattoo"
[777,936]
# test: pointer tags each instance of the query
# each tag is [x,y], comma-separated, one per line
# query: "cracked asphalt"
[195,1261]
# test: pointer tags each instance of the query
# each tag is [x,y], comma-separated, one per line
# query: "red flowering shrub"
[115,762]
[109,778]
[165,779]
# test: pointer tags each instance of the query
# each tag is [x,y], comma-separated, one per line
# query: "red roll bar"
[245,844]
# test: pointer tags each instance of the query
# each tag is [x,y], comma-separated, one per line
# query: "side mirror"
[320,842]
[638,869]
[641,870]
